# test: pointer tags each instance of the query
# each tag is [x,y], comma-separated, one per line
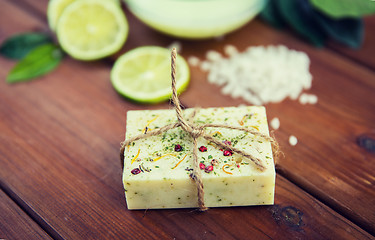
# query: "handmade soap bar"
[156,169]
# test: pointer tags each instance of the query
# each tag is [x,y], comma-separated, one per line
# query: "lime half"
[92,29]
[144,74]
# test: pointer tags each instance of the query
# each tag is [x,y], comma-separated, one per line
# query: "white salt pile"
[260,74]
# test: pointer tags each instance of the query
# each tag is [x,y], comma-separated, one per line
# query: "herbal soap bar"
[157,169]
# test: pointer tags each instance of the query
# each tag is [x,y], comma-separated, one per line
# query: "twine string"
[196,131]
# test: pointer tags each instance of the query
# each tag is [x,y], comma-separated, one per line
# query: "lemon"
[144,74]
[56,7]
[92,29]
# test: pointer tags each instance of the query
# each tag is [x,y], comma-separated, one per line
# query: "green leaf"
[17,46]
[271,15]
[39,61]
[298,16]
[345,8]
[348,31]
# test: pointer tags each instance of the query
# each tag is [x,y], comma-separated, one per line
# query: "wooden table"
[60,174]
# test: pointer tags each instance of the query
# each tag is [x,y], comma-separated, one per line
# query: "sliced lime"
[56,7]
[144,74]
[92,29]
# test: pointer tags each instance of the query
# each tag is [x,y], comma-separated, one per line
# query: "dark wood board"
[15,224]
[362,55]
[60,136]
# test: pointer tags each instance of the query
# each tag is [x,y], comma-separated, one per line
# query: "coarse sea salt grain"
[176,45]
[205,65]
[293,140]
[193,61]
[260,74]
[313,99]
[213,56]
[308,98]
[275,123]
[230,50]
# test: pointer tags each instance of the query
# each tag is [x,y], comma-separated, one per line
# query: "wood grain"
[365,54]
[60,138]
[15,224]
[327,162]
[361,55]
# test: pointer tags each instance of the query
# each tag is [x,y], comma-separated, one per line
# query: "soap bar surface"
[156,169]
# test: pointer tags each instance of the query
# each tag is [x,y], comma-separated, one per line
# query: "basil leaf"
[345,8]
[348,31]
[271,15]
[17,46]
[39,61]
[298,15]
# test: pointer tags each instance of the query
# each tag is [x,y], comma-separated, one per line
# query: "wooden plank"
[327,162]
[364,54]
[62,132]
[80,204]
[360,55]
[15,223]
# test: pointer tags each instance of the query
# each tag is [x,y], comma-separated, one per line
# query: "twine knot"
[196,132]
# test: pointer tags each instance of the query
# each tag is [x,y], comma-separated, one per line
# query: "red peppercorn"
[227,153]
[202,166]
[209,169]
[136,171]
[202,149]
[178,148]
[226,142]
